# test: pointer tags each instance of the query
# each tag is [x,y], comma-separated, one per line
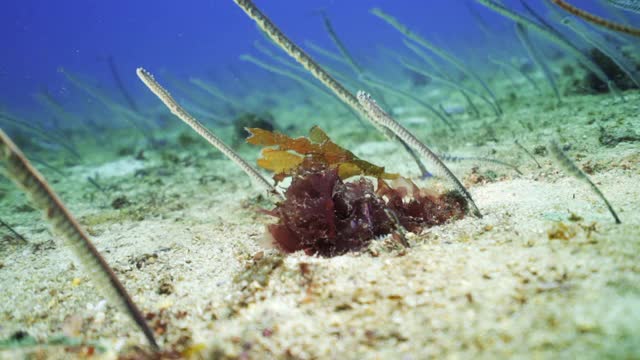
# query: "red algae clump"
[323,214]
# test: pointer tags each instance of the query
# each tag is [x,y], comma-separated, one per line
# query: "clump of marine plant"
[321,212]
[331,208]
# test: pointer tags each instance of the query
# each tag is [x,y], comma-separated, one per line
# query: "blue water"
[191,37]
[205,38]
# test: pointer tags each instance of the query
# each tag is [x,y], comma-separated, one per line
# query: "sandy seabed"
[546,273]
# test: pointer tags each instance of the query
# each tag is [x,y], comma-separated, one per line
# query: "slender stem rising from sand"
[183,115]
[554,37]
[316,70]
[570,167]
[377,114]
[597,19]
[20,170]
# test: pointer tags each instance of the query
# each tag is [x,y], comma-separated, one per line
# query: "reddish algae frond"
[324,214]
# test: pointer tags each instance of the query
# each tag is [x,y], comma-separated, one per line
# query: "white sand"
[475,288]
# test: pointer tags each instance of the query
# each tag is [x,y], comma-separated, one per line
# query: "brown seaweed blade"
[20,170]
[308,152]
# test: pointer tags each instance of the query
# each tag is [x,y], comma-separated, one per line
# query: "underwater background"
[537,118]
[102,43]
[206,38]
